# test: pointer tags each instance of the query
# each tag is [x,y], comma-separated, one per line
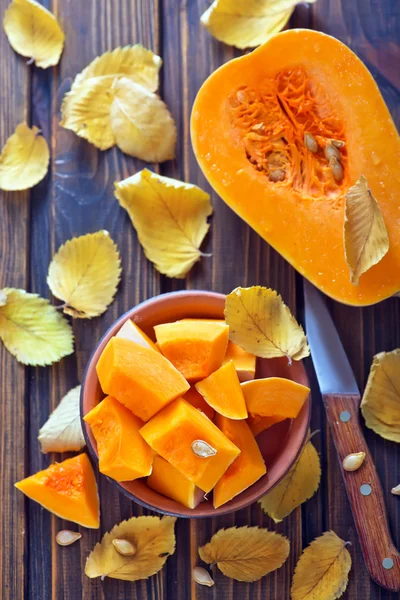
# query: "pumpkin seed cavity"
[291,134]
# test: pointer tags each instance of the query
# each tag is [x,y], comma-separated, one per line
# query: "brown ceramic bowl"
[280,445]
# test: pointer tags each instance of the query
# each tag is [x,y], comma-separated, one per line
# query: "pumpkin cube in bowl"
[196,399]
[123,453]
[195,347]
[222,391]
[130,331]
[275,396]
[259,424]
[246,469]
[140,378]
[172,433]
[168,481]
[245,363]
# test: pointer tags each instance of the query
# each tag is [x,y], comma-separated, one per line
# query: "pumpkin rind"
[297,204]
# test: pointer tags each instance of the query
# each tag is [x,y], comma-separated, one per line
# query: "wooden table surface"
[77,197]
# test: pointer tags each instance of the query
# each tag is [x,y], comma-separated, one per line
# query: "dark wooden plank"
[14,247]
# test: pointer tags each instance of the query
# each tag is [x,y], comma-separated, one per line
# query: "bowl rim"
[217,512]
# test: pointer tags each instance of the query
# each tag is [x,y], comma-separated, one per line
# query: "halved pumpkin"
[67,489]
[264,129]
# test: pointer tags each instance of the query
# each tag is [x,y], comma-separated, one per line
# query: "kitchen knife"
[341,399]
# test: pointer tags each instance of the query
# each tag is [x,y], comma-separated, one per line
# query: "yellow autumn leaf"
[153,539]
[170,218]
[246,553]
[261,323]
[366,240]
[296,487]
[380,405]
[34,32]
[62,431]
[32,329]
[24,160]
[85,273]
[322,571]
[247,23]
[141,123]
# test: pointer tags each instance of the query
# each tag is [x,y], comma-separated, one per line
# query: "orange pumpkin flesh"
[246,469]
[248,126]
[168,481]
[222,391]
[123,453]
[275,396]
[259,424]
[140,378]
[171,434]
[245,363]
[130,331]
[195,347]
[67,489]
[195,399]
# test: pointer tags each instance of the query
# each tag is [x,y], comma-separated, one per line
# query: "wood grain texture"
[77,197]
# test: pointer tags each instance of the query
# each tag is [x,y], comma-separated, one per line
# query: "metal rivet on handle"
[387,563]
[345,416]
[366,489]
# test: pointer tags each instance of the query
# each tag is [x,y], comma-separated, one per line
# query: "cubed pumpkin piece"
[67,489]
[222,391]
[171,434]
[195,399]
[275,396]
[195,347]
[140,378]
[245,363]
[168,481]
[130,331]
[259,424]
[123,453]
[246,469]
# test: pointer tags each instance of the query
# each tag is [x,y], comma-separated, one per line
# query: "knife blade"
[342,405]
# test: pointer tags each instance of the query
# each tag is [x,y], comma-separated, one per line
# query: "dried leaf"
[62,431]
[141,123]
[33,31]
[322,570]
[296,487]
[85,273]
[33,330]
[113,102]
[261,323]
[247,23]
[154,540]
[246,553]
[170,218]
[366,240]
[24,160]
[380,405]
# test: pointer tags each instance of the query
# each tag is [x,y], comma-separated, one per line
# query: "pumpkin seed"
[396,490]
[258,126]
[203,450]
[310,142]
[338,143]
[336,168]
[352,462]
[277,175]
[124,547]
[242,96]
[202,577]
[65,537]
[331,151]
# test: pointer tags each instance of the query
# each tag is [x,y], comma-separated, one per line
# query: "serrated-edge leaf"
[33,330]
[366,239]
[171,228]
[298,486]
[380,405]
[62,431]
[84,273]
[24,159]
[153,539]
[261,323]
[34,32]
[246,553]
[322,570]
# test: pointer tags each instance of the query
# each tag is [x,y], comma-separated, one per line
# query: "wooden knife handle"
[369,511]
